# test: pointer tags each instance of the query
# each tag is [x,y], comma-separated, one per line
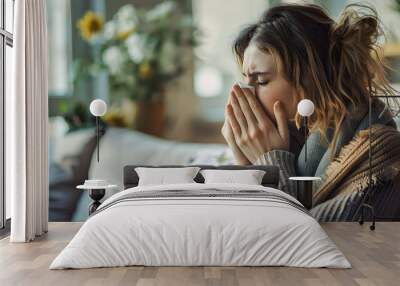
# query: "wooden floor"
[375,257]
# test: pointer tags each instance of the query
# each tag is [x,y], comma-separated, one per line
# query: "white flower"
[168,57]
[136,48]
[127,13]
[126,18]
[114,58]
[109,30]
[161,10]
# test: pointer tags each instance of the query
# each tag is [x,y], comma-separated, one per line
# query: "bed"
[198,224]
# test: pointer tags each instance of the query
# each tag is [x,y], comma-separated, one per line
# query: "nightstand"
[305,195]
[96,192]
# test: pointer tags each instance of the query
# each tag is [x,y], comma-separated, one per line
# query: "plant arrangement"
[141,50]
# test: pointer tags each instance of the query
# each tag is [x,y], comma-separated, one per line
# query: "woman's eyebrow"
[256,73]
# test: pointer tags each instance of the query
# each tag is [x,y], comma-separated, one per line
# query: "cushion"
[248,177]
[162,176]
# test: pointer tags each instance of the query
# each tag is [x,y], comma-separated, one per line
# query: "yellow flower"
[123,35]
[90,24]
[145,70]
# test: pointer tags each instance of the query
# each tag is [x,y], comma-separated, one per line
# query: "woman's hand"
[227,132]
[254,132]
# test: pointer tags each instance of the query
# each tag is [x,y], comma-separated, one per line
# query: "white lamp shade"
[305,107]
[98,107]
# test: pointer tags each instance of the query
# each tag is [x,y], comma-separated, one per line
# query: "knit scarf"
[349,172]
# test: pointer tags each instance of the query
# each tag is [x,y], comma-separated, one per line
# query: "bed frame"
[270,179]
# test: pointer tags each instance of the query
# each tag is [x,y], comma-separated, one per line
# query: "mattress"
[201,225]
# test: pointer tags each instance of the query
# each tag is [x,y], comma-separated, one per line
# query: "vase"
[150,117]
[121,113]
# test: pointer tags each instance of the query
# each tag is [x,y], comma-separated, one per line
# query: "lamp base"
[96,195]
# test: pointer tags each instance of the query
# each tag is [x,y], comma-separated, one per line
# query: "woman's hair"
[337,65]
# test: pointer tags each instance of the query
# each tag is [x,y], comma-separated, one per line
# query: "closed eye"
[262,82]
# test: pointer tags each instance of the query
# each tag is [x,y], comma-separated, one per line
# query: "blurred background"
[165,69]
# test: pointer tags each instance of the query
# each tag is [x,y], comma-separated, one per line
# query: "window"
[6,64]
[58,27]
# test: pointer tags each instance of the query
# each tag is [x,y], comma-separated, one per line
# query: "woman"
[295,52]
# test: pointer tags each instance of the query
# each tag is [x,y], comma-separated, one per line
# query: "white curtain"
[26,124]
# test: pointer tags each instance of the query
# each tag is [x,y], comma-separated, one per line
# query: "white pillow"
[248,177]
[162,176]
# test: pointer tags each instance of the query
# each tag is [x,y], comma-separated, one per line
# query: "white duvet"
[200,231]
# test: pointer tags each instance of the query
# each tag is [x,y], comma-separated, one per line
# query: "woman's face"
[261,71]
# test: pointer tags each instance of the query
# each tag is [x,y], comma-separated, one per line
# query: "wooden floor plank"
[375,257]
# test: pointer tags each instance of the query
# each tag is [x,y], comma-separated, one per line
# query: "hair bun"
[357,28]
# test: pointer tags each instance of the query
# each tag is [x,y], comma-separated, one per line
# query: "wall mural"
[182,90]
